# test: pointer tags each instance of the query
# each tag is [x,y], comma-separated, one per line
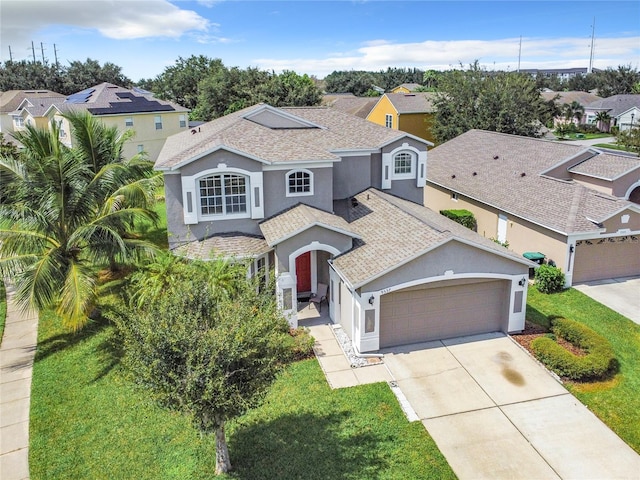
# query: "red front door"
[303,272]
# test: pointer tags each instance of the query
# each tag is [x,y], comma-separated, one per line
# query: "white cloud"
[492,54]
[119,19]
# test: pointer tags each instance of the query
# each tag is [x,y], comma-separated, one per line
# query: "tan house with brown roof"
[11,103]
[409,112]
[326,198]
[569,202]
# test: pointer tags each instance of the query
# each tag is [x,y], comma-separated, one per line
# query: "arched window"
[299,183]
[404,164]
[223,194]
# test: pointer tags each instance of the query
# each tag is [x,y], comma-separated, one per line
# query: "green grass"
[611,146]
[156,233]
[89,421]
[588,136]
[617,400]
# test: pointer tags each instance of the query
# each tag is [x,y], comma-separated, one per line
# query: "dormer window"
[299,183]
[404,164]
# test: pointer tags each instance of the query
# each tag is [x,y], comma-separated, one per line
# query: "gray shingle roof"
[418,102]
[11,99]
[395,231]
[300,218]
[583,98]
[358,106]
[507,176]
[339,131]
[607,166]
[228,245]
[616,104]
[107,99]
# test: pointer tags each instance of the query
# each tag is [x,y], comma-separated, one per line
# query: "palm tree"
[573,111]
[68,213]
[603,119]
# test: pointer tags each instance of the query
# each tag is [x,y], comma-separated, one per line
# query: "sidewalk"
[17,352]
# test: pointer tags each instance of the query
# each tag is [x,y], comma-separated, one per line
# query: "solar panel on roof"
[80,97]
[141,91]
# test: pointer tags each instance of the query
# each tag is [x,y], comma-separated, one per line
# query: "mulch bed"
[532,331]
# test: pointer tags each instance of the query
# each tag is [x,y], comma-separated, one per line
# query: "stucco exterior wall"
[604,186]
[380,110]
[614,224]
[144,127]
[455,257]
[418,124]
[275,191]
[212,160]
[523,236]
[350,176]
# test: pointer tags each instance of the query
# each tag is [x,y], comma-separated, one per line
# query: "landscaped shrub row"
[461,216]
[598,361]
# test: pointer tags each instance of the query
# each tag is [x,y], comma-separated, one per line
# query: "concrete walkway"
[17,353]
[619,294]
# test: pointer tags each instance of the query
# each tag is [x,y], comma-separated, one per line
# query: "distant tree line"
[210,89]
[360,82]
[65,79]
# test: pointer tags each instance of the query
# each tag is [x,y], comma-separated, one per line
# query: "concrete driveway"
[495,413]
[619,294]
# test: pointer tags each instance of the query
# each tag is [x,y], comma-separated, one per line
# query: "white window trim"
[182,121]
[157,120]
[403,176]
[128,122]
[388,120]
[298,194]
[191,195]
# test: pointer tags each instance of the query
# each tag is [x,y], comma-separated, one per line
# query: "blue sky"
[318,37]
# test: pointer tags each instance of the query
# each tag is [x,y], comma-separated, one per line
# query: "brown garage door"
[606,258]
[433,312]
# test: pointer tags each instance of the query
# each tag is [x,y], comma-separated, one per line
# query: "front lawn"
[617,400]
[89,421]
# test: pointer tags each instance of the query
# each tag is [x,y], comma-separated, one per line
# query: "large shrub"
[549,279]
[463,217]
[597,362]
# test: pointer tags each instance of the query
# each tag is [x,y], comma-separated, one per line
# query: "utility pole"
[519,53]
[55,54]
[593,35]
[42,50]
[33,52]
[10,54]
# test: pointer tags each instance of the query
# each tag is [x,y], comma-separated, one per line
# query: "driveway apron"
[495,413]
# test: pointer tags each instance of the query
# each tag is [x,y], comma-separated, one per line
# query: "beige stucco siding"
[615,223]
[522,236]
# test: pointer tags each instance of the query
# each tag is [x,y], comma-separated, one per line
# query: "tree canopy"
[495,101]
[78,75]
[67,213]
[209,346]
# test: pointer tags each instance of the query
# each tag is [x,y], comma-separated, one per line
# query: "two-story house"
[152,120]
[410,112]
[324,197]
[10,104]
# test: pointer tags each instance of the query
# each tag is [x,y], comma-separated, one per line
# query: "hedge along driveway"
[615,401]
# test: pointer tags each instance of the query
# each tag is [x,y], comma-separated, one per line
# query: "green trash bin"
[536,257]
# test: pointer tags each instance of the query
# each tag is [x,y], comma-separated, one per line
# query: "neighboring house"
[410,112]
[406,88]
[349,103]
[624,110]
[9,103]
[566,201]
[134,109]
[323,197]
[567,98]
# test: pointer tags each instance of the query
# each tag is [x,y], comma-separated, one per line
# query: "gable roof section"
[330,131]
[418,102]
[583,98]
[299,218]
[11,99]
[394,232]
[616,104]
[358,106]
[507,177]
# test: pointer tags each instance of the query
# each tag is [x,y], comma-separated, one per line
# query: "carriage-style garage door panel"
[616,257]
[421,314]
